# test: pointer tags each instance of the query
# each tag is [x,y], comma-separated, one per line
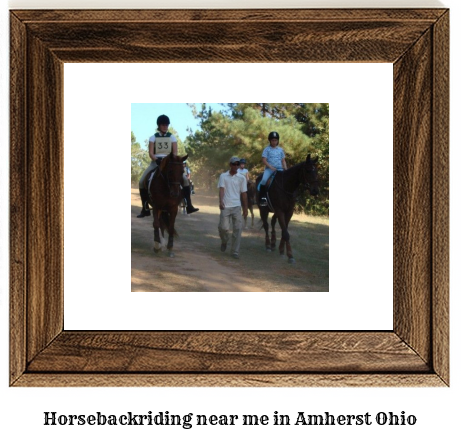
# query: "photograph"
[355,333]
[224,190]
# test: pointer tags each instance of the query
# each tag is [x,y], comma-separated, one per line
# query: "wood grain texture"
[18,207]
[44,197]
[413,196]
[229,15]
[415,353]
[236,352]
[440,193]
[230,380]
[359,41]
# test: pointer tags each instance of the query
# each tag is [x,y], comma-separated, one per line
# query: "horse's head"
[173,170]
[310,176]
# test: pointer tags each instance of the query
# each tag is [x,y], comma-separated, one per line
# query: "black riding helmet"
[243,161]
[274,135]
[163,119]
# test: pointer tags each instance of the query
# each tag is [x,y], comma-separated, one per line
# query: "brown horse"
[282,198]
[164,197]
[252,200]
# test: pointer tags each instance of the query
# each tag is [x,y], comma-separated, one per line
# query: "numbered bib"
[163,145]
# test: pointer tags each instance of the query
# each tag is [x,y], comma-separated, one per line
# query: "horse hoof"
[268,250]
[156,250]
[291,260]
[170,254]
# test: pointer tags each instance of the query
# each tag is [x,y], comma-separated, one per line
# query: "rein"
[304,182]
[165,177]
[168,180]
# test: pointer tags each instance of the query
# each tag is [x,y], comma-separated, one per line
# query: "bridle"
[304,180]
[306,174]
[167,178]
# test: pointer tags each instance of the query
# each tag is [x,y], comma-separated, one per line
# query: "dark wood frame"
[414,353]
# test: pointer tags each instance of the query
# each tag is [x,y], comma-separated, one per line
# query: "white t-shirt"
[169,141]
[243,171]
[233,187]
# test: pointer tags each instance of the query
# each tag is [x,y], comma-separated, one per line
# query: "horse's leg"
[280,217]
[288,216]
[284,221]
[252,216]
[156,225]
[273,234]
[285,240]
[282,246]
[164,223]
[172,218]
[264,214]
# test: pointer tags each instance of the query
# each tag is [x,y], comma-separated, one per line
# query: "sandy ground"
[199,265]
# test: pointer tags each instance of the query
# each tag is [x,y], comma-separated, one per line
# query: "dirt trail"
[199,265]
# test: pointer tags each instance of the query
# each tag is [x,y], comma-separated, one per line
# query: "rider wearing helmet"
[242,170]
[160,145]
[273,158]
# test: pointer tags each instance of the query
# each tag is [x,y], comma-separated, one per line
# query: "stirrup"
[263,201]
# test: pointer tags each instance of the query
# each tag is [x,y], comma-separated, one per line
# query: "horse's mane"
[164,162]
[291,170]
[294,167]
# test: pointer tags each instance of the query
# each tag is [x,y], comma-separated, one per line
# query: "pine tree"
[139,159]
[241,129]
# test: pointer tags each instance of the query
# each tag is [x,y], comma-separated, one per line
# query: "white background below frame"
[97,228]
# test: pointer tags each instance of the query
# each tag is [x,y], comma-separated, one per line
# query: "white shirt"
[154,139]
[233,187]
[243,171]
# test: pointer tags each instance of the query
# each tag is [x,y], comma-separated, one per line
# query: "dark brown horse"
[252,200]
[281,195]
[165,196]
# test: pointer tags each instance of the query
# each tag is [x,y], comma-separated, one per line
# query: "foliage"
[139,159]
[241,129]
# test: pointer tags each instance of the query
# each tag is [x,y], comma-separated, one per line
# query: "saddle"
[150,177]
[147,183]
[270,180]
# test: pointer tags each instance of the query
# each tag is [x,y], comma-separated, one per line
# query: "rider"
[160,145]
[186,189]
[273,158]
[242,170]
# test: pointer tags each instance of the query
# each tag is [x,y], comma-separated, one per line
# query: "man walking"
[232,197]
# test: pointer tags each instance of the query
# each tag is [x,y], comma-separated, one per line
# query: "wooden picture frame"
[414,353]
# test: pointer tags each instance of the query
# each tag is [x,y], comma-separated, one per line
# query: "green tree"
[209,147]
[139,159]
[181,145]
[241,129]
